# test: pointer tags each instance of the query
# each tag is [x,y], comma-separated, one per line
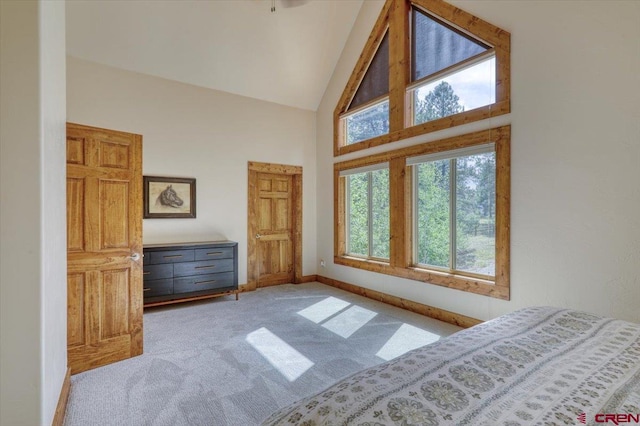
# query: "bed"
[536,366]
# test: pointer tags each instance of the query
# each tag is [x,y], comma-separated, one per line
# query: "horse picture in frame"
[169,197]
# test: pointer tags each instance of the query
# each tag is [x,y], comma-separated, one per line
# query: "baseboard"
[61,408]
[251,286]
[419,308]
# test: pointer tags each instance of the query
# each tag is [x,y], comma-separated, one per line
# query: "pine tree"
[440,102]
[369,124]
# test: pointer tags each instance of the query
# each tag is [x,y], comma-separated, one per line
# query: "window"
[427,66]
[451,71]
[462,89]
[436,212]
[368,123]
[375,82]
[367,212]
[454,211]
[368,112]
[436,46]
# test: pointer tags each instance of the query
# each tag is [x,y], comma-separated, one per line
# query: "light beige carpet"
[222,362]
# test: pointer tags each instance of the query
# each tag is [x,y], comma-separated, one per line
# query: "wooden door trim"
[61,408]
[279,169]
[252,261]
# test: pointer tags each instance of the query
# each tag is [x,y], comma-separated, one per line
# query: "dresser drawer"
[203,282]
[156,272]
[171,256]
[214,253]
[203,267]
[158,287]
[182,272]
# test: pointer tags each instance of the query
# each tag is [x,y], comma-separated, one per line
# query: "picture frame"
[169,197]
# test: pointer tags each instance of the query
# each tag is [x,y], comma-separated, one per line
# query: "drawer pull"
[146,273]
[205,267]
[146,289]
[204,282]
[175,256]
[213,253]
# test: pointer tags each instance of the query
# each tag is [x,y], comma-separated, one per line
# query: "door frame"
[254,168]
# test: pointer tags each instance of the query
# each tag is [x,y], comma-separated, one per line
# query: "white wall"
[575,233]
[33,355]
[190,131]
[53,298]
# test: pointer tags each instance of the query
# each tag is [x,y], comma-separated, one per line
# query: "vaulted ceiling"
[237,46]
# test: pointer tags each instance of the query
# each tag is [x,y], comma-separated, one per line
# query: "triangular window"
[427,66]
[451,72]
[436,46]
[376,80]
[368,113]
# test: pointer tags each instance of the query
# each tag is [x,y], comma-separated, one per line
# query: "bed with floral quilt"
[535,366]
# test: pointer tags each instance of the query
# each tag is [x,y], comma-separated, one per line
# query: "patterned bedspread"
[536,366]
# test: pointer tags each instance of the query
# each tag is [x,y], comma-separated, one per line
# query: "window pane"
[380,213]
[358,205]
[476,213]
[433,214]
[375,82]
[368,123]
[436,46]
[467,89]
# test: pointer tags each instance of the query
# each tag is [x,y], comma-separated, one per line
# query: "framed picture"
[169,197]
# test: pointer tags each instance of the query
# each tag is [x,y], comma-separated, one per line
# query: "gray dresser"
[189,271]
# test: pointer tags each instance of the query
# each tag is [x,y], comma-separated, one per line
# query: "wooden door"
[274,249]
[104,246]
[274,233]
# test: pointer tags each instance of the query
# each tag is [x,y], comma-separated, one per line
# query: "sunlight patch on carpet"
[405,339]
[322,310]
[349,321]
[288,361]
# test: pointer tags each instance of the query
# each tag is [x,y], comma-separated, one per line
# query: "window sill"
[444,279]
[481,113]
[371,261]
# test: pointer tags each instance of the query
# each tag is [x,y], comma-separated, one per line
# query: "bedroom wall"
[53,140]
[575,233]
[33,290]
[190,131]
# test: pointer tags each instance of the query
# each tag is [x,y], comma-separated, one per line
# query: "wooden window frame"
[401,262]
[344,117]
[395,17]
[347,194]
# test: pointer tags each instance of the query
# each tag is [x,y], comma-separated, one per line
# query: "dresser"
[189,271]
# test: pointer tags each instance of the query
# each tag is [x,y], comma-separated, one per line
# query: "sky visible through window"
[474,85]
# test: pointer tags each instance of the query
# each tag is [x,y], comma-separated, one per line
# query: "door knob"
[135,257]
[258,236]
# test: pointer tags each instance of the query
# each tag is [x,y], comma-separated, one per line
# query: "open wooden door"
[104,246]
[275,224]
